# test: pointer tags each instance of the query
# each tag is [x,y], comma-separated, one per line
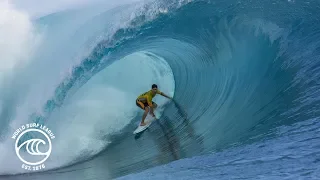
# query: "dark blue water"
[245,81]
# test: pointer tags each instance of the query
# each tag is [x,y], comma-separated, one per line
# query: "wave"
[234,73]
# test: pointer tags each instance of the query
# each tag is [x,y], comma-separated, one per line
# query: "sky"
[37,8]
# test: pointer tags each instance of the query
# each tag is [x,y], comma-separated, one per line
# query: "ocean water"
[244,76]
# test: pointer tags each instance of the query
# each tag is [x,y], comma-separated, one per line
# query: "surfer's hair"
[154,86]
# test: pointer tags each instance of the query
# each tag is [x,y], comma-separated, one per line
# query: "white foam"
[18,42]
[17,38]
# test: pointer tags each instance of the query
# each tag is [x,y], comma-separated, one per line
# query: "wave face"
[237,70]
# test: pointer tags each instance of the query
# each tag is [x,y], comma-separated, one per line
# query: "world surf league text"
[33,125]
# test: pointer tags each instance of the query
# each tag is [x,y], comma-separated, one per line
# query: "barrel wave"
[244,77]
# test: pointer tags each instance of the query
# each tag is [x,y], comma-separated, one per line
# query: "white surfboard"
[149,120]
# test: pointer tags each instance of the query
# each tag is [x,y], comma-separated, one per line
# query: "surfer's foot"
[142,124]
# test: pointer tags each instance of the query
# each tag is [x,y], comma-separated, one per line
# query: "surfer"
[144,101]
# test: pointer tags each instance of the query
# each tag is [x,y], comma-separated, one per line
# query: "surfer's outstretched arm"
[165,95]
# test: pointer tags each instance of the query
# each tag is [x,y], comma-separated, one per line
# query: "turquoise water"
[244,76]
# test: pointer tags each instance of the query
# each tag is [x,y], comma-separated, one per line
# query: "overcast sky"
[36,8]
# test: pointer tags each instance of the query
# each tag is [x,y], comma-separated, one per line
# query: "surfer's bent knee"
[140,104]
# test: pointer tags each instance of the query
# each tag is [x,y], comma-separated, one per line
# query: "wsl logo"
[33,145]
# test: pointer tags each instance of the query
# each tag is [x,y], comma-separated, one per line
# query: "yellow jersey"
[147,96]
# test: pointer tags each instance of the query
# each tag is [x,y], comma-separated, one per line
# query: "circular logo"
[32,147]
